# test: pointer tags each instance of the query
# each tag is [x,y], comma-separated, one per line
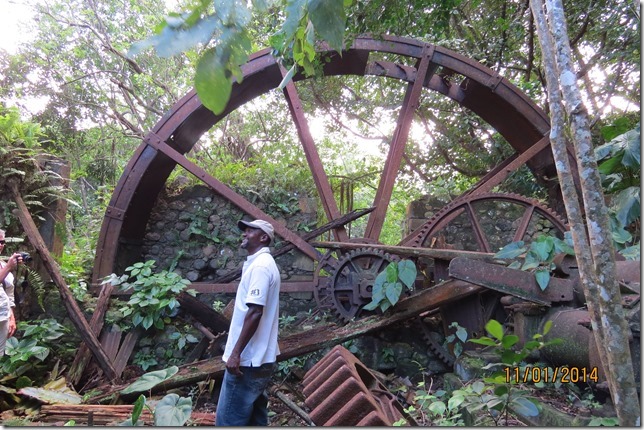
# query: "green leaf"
[478,387]
[23,382]
[525,407]
[483,341]
[495,329]
[377,292]
[212,82]
[392,272]
[562,246]
[626,205]
[501,390]
[454,402]
[437,408]
[137,409]
[372,305]
[530,262]
[509,340]
[543,278]
[172,411]
[461,333]
[384,305]
[328,17]
[513,250]
[632,149]
[546,327]
[287,78]
[393,292]
[511,357]
[147,322]
[150,379]
[407,273]
[531,344]
[543,247]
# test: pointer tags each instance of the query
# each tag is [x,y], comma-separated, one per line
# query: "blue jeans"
[242,399]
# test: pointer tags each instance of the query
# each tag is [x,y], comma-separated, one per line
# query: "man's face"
[251,238]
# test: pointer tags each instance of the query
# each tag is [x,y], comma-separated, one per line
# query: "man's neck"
[255,251]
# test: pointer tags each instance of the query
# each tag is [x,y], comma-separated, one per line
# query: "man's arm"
[251,322]
[9,289]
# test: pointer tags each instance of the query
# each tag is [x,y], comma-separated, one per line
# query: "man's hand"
[232,364]
[251,321]
[12,323]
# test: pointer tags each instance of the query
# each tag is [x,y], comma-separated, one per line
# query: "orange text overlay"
[547,374]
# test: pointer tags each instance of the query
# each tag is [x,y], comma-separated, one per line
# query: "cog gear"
[352,280]
[435,344]
[425,234]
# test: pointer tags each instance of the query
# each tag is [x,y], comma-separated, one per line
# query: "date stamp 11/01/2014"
[547,374]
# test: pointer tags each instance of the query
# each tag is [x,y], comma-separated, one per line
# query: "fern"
[37,285]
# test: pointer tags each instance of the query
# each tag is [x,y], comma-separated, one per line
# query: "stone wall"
[196,232]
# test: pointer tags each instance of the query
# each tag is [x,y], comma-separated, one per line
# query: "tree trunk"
[73,310]
[593,242]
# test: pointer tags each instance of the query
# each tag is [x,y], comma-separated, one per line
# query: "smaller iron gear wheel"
[353,279]
[434,341]
[442,218]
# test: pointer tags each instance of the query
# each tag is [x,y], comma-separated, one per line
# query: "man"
[7,317]
[251,348]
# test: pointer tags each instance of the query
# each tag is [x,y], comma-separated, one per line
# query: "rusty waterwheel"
[417,65]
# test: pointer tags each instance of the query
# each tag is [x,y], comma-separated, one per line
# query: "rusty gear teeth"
[441,218]
[435,344]
[352,279]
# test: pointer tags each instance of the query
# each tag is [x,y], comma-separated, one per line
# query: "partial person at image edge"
[7,303]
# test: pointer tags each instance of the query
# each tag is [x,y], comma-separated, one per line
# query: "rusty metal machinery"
[352,280]
[341,391]
[345,273]
[465,81]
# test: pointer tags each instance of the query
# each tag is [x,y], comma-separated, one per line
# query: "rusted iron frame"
[478,230]
[511,281]
[506,167]
[231,287]
[397,147]
[312,156]
[522,228]
[238,200]
[260,63]
[408,251]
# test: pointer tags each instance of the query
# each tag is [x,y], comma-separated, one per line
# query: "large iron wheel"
[465,81]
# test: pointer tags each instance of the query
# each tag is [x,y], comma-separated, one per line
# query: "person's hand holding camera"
[14,260]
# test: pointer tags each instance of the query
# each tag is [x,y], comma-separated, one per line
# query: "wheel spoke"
[477,229]
[397,147]
[235,198]
[524,224]
[310,150]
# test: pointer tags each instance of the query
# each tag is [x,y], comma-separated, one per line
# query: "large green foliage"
[22,162]
[153,299]
[222,28]
[620,167]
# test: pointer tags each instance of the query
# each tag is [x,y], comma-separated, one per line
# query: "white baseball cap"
[264,226]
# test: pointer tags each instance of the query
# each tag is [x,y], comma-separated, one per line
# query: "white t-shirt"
[260,285]
[6,295]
